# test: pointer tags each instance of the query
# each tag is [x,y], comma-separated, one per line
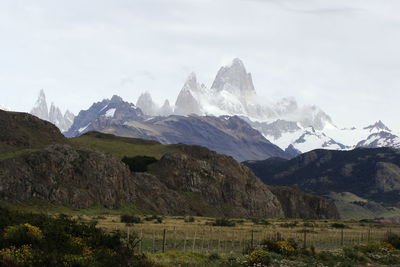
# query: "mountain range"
[293,128]
[228,135]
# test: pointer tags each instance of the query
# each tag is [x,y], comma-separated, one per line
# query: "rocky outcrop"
[297,204]
[65,176]
[179,185]
[230,188]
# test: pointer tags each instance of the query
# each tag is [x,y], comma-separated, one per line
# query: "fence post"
[219,240]
[369,235]
[305,239]
[184,242]
[154,240]
[141,240]
[163,241]
[252,238]
[194,240]
[342,238]
[174,237]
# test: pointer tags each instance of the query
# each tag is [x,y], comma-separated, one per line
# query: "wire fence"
[223,239]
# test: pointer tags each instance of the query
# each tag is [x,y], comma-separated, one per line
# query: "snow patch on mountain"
[110,113]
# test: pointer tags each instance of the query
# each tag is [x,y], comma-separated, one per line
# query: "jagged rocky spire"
[54,115]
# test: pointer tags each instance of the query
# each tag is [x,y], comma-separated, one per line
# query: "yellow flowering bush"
[77,241]
[259,257]
[285,247]
[23,233]
[22,255]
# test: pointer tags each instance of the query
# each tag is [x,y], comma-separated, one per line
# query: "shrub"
[394,240]
[259,257]
[155,218]
[214,257]
[130,219]
[60,241]
[260,221]
[17,256]
[23,234]
[223,222]
[283,247]
[339,225]
[374,247]
[355,255]
[289,225]
[189,219]
[138,163]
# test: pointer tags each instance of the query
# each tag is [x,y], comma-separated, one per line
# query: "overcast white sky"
[342,55]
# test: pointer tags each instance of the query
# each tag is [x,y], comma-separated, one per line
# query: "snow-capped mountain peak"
[234,79]
[54,115]
[377,127]
[40,108]
[146,104]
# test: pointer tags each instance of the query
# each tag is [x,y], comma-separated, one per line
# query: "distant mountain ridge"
[227,135]
[53,115]
[370,176]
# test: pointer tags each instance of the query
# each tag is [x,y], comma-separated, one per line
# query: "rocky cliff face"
[229,188]
[297,204]
[179,185]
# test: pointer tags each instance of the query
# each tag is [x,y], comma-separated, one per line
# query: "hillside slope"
[369,174]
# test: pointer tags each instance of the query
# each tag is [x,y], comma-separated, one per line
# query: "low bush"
[138,163]
[339,226]
[214,257]
[223,222]
[394,240]
[260,221]
[259,258]
[189,219]
[289,225]
[130,219]
[40,240]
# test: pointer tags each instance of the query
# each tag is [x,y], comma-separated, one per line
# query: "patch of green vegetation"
[175,258]
[122,147]
[28,239]
[41,206]
[16,153]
